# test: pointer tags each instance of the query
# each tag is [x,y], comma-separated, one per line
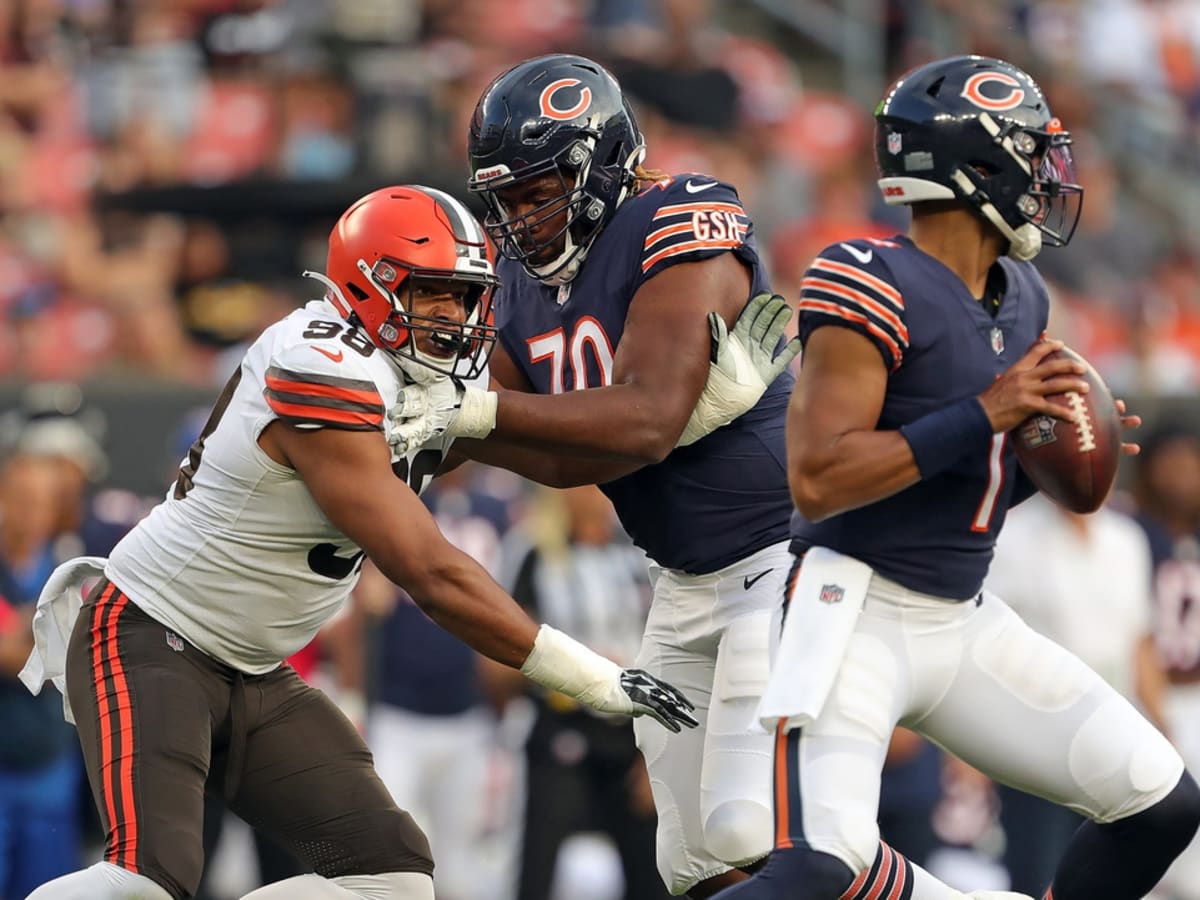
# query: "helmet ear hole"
[359,293]
[936,87]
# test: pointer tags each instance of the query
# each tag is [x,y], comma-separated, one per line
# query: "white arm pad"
[560,663]
[476,414]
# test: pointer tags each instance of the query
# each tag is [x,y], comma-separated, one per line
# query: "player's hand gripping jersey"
[239,558]
[939,345]
[695,511]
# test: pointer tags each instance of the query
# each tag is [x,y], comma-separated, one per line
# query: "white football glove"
[743,364]
[423,412]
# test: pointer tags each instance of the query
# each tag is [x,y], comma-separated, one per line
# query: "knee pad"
[103,881]
[738,832]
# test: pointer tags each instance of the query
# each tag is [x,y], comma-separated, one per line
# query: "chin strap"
[1024,242]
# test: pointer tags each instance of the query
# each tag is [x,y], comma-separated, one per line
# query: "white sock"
[387,886]
[103,881]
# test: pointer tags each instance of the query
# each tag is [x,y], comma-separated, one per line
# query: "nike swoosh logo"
[863,256]
[692,188]
[336,357]
[749,582]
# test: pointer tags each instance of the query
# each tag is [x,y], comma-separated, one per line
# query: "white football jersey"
[239,559]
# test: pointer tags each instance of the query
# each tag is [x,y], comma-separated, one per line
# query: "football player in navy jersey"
[921,353]
[616,283]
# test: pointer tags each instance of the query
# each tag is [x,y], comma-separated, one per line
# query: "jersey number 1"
[987,506]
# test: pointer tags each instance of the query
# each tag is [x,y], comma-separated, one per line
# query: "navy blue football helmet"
[979,130]
[563,115]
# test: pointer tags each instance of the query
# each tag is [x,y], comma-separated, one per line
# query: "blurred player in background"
[1167,490]
[173,669]
[921,354]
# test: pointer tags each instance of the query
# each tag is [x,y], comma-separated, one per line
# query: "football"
[1075,464]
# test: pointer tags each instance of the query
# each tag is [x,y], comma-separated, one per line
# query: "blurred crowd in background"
[169,167]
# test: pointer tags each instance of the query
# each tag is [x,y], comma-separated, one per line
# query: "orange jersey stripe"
[834,310]
[858,297]
[324,414]
[667,231]
[848,271]
[676,209]
[330,391]
[686,247]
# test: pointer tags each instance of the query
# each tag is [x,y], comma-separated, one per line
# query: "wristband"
[560,663]
[940,439]
[476,414]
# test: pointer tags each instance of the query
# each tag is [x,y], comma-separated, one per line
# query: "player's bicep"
[666,345]
[840,389]
[349,474]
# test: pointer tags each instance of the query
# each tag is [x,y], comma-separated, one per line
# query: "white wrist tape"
[476,414]
[560,663]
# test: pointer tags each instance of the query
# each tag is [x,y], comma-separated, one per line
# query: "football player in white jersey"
[172,669]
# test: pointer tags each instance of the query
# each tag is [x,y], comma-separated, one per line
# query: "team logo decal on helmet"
[550,111]
[973,91]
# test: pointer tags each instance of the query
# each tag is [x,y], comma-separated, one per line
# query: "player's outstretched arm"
[659,371]
[349,475]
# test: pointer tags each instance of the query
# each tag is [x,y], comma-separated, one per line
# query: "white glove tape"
[560,663]
[476,414]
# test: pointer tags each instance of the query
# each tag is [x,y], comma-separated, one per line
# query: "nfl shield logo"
[894,143]
[997,341]
[832,593]
[175,642]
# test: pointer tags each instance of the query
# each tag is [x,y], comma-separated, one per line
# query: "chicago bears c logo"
[972,90]
[551,111]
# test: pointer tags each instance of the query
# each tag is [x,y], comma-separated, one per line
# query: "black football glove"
[652,697]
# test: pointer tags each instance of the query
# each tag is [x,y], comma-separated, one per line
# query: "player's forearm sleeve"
[941,438]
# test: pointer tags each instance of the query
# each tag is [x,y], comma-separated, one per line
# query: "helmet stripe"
[466,227]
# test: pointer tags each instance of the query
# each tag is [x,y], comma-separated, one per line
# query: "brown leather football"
[1075,464]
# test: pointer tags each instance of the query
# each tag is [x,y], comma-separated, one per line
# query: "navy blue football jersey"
[706,505]
[939,345]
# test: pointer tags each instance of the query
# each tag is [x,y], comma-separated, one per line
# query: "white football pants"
[976,680]
[709,635]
